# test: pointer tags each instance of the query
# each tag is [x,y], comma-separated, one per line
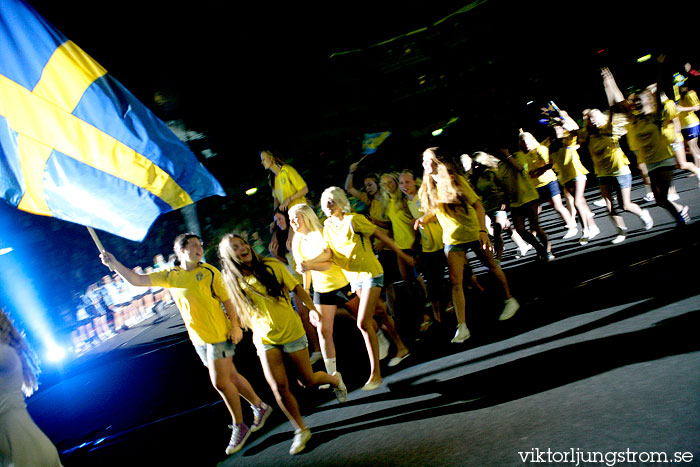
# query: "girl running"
[260,289]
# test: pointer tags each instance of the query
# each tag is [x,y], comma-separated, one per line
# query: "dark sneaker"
[239,435]
[260,415]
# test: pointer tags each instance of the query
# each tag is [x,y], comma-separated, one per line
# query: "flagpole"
[97,242]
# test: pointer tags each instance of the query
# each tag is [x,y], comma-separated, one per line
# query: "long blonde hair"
[30,363]
[234,274]
[447,190]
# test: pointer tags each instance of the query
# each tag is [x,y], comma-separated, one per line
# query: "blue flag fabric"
[76,145]
[371,141]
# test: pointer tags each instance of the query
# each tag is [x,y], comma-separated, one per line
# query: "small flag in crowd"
[371,141]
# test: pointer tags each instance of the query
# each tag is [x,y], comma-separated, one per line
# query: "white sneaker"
[301,437]
[383,345]
[523,251]
[341,391]
[511,306]
[570,232]
[593,232]
[619,239]
[646,218]
[461,335]
[599,202]
[649,197]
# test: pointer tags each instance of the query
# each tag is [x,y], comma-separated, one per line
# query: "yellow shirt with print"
[689,119]
[274,321]
[645,136]
[538,157]
[287,182]
[459,221]
[401,222]
[350,243]
[198,295]
[430,233]
[310,247]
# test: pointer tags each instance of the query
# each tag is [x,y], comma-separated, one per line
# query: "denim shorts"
[622,181]
[550,190]
[376,281]
[289,347]
[691,133]
[462,247]
[210,352]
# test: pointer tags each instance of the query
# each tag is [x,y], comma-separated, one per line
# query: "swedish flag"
[371,141]
[76,145]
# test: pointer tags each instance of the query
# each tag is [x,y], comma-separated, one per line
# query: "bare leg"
[307,375]
[660,183]
[387,323]
[366,325]
[220,371]
[456,260]
[325,330]
[276,376]
[308,327]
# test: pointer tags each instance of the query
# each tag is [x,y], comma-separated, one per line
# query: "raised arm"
[133,278]
[349,187]
[612,91]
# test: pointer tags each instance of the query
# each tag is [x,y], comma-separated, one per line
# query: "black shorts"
[389,262]
[338,297]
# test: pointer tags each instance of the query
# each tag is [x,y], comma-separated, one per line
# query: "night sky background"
[308,79]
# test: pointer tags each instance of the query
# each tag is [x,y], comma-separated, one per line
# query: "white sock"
[330,365]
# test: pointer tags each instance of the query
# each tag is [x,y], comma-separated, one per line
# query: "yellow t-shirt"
[645,136]
[566,161]
[668,129]
[459,222]
[489,187]
[538,157]
[349,241]
[198,295]
[310,246]
[689,119]
[287,182]
[607,156]
[377,213]
[401,222]
[274,321]
[431,233]
[518,185]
